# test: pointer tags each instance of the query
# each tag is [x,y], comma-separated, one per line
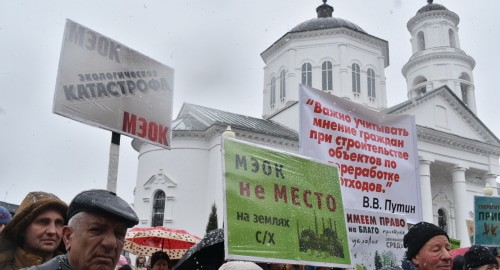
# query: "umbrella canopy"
[146,241]
[207,254]
[458,251]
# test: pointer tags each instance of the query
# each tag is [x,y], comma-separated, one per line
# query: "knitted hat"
[240,265]
[33,205]
[418,235]
[103,202]
[159,255]
[121,262]
[5,216]
[478,256]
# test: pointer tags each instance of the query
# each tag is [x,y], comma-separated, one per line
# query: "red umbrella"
[146,241]
[458,251]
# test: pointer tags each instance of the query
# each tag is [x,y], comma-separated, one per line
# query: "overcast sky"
[214,47]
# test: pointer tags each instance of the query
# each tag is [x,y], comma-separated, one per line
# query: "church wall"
[437,114]
[435,32]
[288,117]
[214,187]
[186,164]
[342,51]
[435,152]
[439,72]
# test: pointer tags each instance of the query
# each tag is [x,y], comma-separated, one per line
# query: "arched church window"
[442,219]
[465,88]
[282,86]
[307,74]
[451,35]
[272,99]
[420,86]
[421,41]
[327,75]
[356,80]
[371,84]
[158,208]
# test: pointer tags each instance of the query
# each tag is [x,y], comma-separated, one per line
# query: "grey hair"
[76,221]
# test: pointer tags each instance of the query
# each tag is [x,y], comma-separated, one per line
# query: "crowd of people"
[45,233]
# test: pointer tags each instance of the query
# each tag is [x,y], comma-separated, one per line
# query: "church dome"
[431,6]
[325,21]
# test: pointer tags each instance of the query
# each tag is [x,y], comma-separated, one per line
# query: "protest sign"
[280,207]
[103,83]
[376,153]
[376,239]
[486,220]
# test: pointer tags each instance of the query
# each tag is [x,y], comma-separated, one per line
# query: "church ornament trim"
[433,14]
[159,179]
[456,142]
[366,38]
[468,116]
[416,60]
[217,130]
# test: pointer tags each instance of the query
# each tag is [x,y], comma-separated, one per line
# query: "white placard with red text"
[375,152]
[103,83]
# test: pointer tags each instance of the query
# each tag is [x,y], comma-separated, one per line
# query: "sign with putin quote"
[487,220]
[103,83]
[282,208]
[376,153]
[376,238]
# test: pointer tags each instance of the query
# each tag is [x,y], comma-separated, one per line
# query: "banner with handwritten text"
[376,152]
[282,208]
[376,239]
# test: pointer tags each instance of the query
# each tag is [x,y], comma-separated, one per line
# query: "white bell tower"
[437,59]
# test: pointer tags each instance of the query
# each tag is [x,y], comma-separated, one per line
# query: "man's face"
[435,254]
[160,265]
[43,235]
[96,243]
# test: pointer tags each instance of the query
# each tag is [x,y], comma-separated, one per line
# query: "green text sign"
[281,207]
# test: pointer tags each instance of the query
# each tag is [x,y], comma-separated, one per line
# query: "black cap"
[418,235]
[478,256]
[104,202]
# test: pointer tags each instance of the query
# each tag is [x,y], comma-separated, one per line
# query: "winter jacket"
[12,257]
[57,263]
[17,258]
[408,265]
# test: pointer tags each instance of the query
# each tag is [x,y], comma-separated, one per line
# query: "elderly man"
[34,235]
[427,248]
[95,234]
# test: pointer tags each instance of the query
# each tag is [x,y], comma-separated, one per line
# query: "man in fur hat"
[95,234]
[34,235]
[427,248]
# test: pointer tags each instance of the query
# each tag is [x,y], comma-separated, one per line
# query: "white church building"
[458,154]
